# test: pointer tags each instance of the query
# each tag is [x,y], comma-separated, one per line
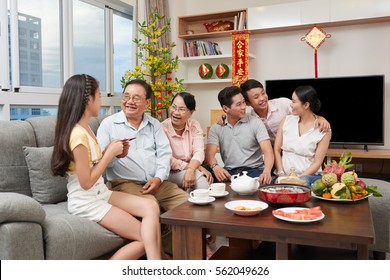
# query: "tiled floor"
[264,251]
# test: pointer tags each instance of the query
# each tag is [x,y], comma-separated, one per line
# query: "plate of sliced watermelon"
[299,214]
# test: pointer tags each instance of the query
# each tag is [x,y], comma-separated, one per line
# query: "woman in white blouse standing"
[299,143]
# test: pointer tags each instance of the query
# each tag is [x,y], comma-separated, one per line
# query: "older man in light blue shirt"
[147,158]
[144,165]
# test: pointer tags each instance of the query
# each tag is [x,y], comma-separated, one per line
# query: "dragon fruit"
[340,167]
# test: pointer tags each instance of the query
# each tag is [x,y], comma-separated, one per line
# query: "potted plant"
[156,63]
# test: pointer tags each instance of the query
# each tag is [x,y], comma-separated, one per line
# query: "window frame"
[17,95]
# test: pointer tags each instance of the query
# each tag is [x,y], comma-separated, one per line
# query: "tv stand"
[359,153]
[365,147]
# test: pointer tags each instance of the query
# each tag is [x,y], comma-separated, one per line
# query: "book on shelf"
[241,21]
[200,48]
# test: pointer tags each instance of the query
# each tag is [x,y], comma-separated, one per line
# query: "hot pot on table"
[284,194]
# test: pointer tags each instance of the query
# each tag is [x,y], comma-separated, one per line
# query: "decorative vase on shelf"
[205,71]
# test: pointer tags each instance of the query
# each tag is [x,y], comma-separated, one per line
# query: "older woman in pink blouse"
[186,139]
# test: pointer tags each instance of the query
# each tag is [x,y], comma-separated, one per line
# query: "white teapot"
[244,184]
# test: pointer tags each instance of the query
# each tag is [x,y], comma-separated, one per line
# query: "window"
[117,109]
[13,112]
[41,17]
[22,113]
[35,35]
[50,40]
[35,111]
[89,41]
[123,36]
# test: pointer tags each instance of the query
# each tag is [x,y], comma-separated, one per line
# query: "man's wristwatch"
[213,165]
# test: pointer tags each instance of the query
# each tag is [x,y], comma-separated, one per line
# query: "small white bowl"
[249,204]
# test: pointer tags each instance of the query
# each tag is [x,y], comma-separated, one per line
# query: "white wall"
[351,50]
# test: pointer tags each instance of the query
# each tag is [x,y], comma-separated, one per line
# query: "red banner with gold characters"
[240,57]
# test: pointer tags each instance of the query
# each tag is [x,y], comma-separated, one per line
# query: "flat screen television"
[354,106]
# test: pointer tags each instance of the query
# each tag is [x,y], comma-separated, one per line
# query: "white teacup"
[200,194]
[217,188]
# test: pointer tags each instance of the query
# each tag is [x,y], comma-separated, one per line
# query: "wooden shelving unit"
[209,57]
[195,23]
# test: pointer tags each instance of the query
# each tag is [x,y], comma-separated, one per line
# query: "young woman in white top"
[270,111]
[77,155]
[299,142]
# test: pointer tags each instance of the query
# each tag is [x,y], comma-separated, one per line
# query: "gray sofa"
[34,220]
[380,211]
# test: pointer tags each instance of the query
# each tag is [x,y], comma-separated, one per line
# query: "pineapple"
[348,179]
[329,179]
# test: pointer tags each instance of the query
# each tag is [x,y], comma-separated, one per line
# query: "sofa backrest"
[33,132]
[44,128]
[13,169]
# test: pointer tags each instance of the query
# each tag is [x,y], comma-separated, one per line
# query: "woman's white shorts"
[91,204]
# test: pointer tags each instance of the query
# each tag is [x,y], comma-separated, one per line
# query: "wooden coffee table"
[346,225]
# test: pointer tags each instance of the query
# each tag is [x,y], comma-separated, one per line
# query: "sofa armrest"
[380,210]
[21,241]
[16,207]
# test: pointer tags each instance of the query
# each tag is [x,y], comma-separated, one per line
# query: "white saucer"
[211,199]
[225,193]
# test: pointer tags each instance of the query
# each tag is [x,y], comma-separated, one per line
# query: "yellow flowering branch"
[156,63]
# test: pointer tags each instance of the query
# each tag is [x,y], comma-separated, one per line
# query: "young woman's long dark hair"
[71,107]
[309,94]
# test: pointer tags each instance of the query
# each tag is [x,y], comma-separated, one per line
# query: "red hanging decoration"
[240,57]
[314,38]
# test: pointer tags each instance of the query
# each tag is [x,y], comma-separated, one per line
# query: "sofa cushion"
[13,167]
[44,130]
[380,211]
[45,187]
[16,207]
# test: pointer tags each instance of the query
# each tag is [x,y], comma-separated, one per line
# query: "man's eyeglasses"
[135,99]
[181,110]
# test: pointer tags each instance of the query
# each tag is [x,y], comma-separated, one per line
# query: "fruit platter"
[339,182]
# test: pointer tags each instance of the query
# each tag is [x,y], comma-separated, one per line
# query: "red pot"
[284,194]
